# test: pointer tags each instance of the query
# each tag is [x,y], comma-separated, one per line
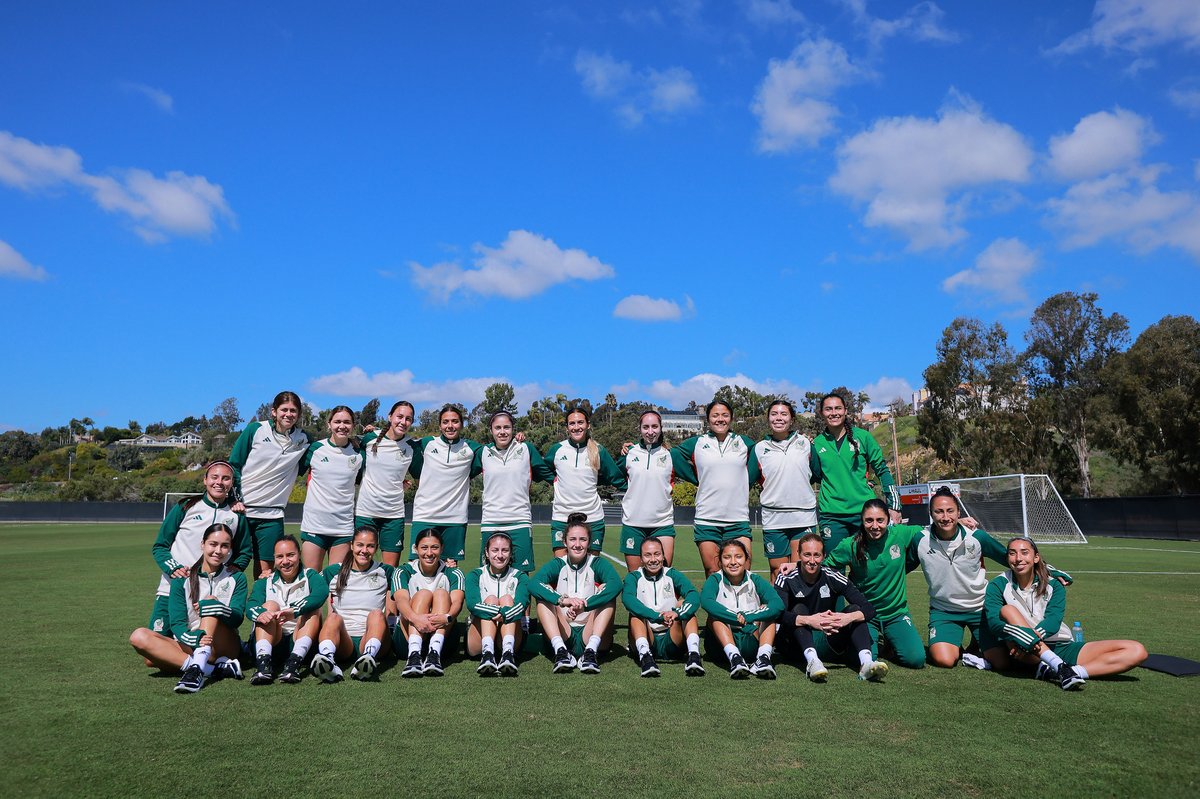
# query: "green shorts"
[1068,651]
[325,542]
[522,547]
[743,638]
[778,543]
[558,529]
[632,537]
[575,643]
[666,649]
[160,616]
[391,531]
[454,539]
[947,627]
[264,534]
[720,533]
[835,529]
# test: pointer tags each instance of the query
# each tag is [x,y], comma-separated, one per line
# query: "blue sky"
[414,201]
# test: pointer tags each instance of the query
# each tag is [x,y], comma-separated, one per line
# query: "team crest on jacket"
[824,592]
[663,458]
[629,543]
[373,580]
[827,532]
[895,551]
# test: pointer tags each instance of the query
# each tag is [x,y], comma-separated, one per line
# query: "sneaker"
[762,668]
[738,670]
[646,664]
[487,665]
[263,675]
[874,671]
[975,662]
[1069,679]
[191,681]
[230,669]
[292,669]
[589,663]
[508,664]
[693,667]
[563,661]
[433,665]
[413,667]
[364,668]
[816,670]
[324,669]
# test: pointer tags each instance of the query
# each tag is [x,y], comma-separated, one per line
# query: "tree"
[499,397]
[125,458]
[1070,343]
[369,414]
[226,416]
[135,428]
[610,403]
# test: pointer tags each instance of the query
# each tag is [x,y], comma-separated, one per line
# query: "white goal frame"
[171,499]
[1030,525]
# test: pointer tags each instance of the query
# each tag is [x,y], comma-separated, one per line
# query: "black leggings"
[849,640]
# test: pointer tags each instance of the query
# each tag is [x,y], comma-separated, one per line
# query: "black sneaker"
[646,664]
[191,681]
[262,673]
[589,664]
[292,669]
[563,661]
[508,664]
[693,667]
[762,668]
[413,667]
[229,669]
[1068,678]
[487,664]
[433,665]
[324,669]
[738,669]
[364,668]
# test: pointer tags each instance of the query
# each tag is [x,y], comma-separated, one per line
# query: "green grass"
[80,715]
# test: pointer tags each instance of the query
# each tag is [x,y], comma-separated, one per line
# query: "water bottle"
[1077,633]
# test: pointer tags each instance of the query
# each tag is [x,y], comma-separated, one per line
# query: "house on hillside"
[188,440]
[683,423]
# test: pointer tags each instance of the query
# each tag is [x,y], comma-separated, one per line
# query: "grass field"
[80,715]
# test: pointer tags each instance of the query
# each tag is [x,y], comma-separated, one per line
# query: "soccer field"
[80,714]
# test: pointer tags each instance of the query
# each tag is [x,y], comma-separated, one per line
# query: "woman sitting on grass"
[742,608]
[285,607]
[429,596]
[1025,607]
[358,589]
[497,595]
[662,605]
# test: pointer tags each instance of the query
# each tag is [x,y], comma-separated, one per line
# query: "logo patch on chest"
[895,551]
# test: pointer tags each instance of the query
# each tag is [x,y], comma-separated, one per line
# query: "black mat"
[1169,664]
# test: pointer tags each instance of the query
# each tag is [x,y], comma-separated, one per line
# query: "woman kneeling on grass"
[285,607]
[358,589]
[578,592]
[205,609]
[742,608]
[662,605]
[497,595]
[429,596]
[1025,607]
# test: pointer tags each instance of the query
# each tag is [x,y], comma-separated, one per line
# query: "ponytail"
[1041,572]
[388,424]
[348,561]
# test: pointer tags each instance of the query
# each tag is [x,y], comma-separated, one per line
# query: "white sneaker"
[874,671]
[975,662]
[324,669]
[816,670]
[364,668]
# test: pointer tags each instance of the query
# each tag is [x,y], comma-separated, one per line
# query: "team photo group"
[357,588]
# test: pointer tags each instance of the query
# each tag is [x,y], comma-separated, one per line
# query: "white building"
[682,422]
[186,440]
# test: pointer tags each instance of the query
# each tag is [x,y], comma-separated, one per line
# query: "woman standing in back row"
[580,466]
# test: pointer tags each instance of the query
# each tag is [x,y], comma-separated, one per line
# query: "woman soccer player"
[336,465]
[647,509]
[742,608]
[509,467]
[285,607]
[662,605]
[429,595]
[723,466]
[789,504]
[578,592]
[445,472]
[388,457]
[178,543]
[810,594]
[497,595]
[206,607]
[266,461]
[844,452]
[358,590]
[580,466]
[1024,608]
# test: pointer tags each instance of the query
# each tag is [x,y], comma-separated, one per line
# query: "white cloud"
[160,98]
[13,265]
[792,101]
[922,22]
[886,389]
[1136,25]
[636,94]
[525,264]
[702,387]
[1101,142]
[648,309]
[1185,96]
[355,382]
[912,173]
[998,272]
[767,13]
[179,204]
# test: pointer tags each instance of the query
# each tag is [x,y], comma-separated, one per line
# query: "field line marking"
[1146,549]
[610,557]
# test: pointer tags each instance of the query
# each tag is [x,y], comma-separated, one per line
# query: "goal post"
[1016,504]
[173,498]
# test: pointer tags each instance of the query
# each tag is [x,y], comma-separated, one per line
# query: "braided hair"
[386,427]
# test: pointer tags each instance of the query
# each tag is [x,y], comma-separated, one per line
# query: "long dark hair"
[187,502]
[847,423]
[860,538]
[194,573]
[383,432]
[1041,573]
[348,561]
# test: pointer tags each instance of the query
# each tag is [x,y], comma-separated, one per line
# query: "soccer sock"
[372,647]
[730,650]
[510,642]
[1050,659]
[391,621]
[765,650]
[594,643]
[864,657]
[414,644]
[810,655]
[262,648]
[488,644]
[300,647]
[200,657]
[1081,671]
[556,643]
[435,642]
[327,648]
[693,642]
[642,646]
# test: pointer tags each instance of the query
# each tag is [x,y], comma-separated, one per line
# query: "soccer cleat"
[1069,679]
[487,664]
[563,661]
[433,665]
[508,664]
[229,669]
[262,671]
[324,669]
[646,664]
[693,667]
[191,681]
[364,668]
[975,662]
[589,663]
[738,670]
[291,669]
[413,667]
[762,668]
[874,671]
[816,671]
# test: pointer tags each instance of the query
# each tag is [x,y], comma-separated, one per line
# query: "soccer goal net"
[1017,504]
[173,498]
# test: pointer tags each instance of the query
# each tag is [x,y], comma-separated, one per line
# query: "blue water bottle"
[1077,633]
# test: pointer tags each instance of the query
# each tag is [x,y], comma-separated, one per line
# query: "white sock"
[372,647]
[300,647]
[510,643]
[765,651]
[730,651]
[693,642]
[864,657]
[810,655]
[327,648]
[1050,659]
[435,642]
[488,644]
[200,657]
[414,644]
[642,646]
[594,643]
[262,648]
[556,643]
[186,662]
[1081,671]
